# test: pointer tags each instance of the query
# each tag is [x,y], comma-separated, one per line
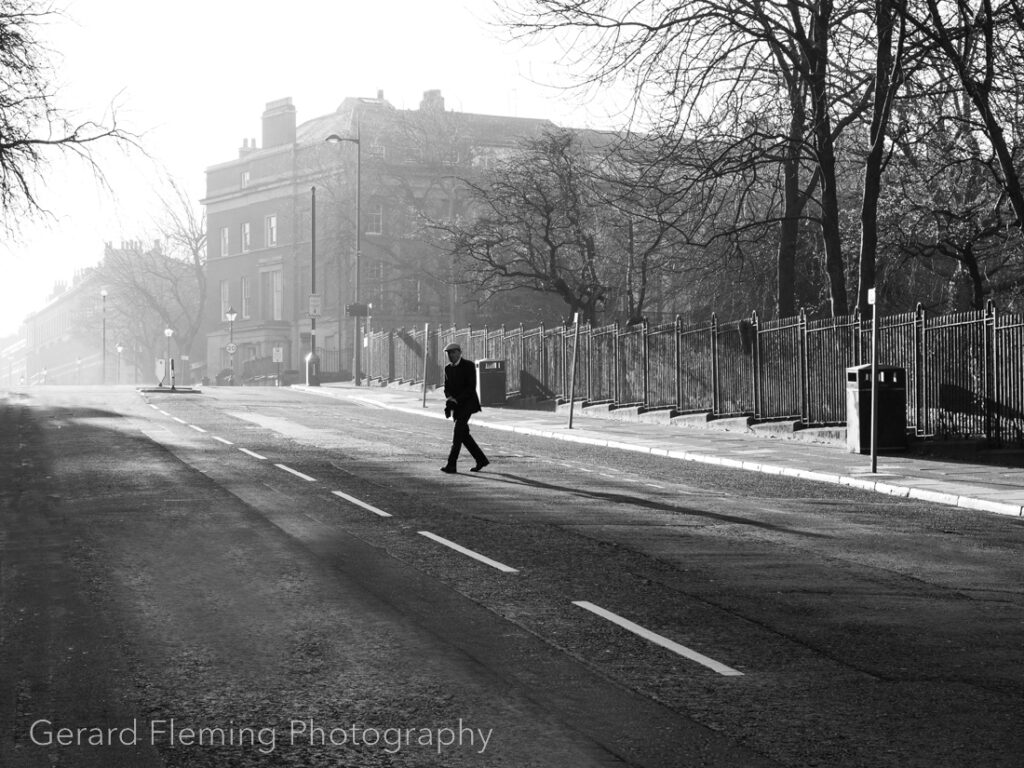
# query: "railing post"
[542,362]
[991,378]
[755,365]
[503,354]
[391,354]
[805,368]
[426,340]
[857,342]
[562,347]
[713,328]
[590,363]
[522,358]
[615,364]
[647,363]
[589,396]
[678,378]
[921,372]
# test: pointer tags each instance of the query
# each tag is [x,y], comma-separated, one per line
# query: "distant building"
[63,343]
[260,223]
[13,361]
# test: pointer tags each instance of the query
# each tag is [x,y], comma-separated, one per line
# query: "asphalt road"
[291,581]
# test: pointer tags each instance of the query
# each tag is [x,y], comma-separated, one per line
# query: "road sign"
[315,304]
[231,348]
[278,354]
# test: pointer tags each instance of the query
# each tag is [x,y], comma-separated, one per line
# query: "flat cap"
[453,347]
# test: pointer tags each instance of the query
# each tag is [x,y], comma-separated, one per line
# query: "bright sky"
[194,76]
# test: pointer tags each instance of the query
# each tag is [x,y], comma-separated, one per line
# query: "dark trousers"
[461,437]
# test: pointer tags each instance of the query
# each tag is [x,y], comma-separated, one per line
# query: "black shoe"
[449,469]
[479,465]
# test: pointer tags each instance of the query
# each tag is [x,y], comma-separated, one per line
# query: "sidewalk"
[985,488]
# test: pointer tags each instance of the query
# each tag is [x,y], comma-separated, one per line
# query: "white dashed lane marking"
[363,504]
[251,453]
[296,472]
[469,553]
[657,639]
[222,440]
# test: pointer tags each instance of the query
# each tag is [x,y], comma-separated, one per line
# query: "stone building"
[270,249]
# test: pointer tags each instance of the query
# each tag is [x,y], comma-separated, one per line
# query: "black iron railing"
[965,371]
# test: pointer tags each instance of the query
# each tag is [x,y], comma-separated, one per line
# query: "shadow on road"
[652,504]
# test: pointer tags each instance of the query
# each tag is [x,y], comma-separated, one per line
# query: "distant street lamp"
[313,376]
[336,139]
[103,296]
[120,349]
[169,369]
[230,316]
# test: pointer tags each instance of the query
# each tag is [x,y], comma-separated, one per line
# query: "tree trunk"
[789,227]
[883,93]
[817,55]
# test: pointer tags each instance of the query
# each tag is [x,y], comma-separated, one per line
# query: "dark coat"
[460,383]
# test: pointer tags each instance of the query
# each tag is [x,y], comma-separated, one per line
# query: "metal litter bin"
[490,382]
[892,408]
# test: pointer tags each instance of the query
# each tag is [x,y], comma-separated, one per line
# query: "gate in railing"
[965,371]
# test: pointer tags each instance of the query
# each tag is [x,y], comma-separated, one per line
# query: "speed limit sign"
[231,348]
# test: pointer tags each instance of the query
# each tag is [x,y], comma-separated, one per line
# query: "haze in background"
[192,78]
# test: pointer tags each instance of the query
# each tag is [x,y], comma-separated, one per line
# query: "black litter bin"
[490,381]
[892,408]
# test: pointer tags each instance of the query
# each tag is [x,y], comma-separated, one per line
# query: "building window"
[225,240]
[246,298]
[374,220]
[271,295]
[225,297]
[246,237]
[271,231]
[245,179]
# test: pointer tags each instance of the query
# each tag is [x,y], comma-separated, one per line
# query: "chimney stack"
[278,123]
[432,100]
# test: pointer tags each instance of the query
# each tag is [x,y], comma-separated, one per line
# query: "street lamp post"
[120,349]
[336,139]
[230,316]
[312,270]
[103,312]
[169,369]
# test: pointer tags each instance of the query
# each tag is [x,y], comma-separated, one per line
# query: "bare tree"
[183,231]
[982,42]
[533,224]
[33,130]
[162,285]
[693,64]
[949,217]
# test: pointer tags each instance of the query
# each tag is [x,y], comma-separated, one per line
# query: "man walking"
[461,402]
